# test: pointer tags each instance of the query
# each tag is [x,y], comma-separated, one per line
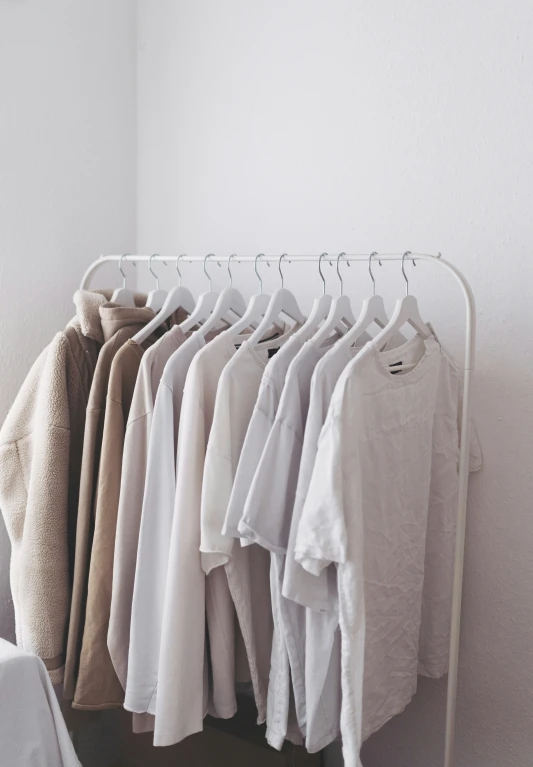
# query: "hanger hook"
[154,275]
[121,270]
[283,255]
[407,253]
[209,255]
[259,255]
[341,255]
[374,254]
[234,255]
[323,255]
[183,255]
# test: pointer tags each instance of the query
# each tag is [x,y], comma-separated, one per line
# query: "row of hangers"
[330,320]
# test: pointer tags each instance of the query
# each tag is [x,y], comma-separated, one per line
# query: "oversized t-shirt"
[281,722]
[189,595]
[260,424]
[267,519]
[322,637]
[382,505]
[247,568]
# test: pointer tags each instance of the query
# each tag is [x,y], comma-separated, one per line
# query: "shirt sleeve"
[318,593]
[152,558]
[256,437]
[34,481]
[321,536]
[475,455]
[127,537]
[437,595]
[215,547]
[97,684]
[268,510]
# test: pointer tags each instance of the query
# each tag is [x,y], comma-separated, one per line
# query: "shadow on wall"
[388,746]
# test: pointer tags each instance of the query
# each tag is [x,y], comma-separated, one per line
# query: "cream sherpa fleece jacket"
[40,458]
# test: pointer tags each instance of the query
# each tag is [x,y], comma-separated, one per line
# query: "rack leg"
[451,702]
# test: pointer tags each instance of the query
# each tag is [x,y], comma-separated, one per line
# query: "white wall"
[67,173]
[303,126]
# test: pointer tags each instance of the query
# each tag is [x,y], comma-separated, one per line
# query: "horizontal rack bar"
[235,258]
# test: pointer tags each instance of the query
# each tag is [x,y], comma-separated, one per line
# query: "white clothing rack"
[470,341]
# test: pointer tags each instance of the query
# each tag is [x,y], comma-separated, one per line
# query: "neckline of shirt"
[276,359]
[254,353]
[429,344]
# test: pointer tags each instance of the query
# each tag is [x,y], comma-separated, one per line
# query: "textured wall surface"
[67,173]
[305,126]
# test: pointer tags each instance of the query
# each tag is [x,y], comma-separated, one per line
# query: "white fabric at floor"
[33,732]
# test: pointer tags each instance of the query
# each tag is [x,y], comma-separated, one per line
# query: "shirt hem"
[138,709]
[212,559]
[97,706]
[323,742]
[275,739]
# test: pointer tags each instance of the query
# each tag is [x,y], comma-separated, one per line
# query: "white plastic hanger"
[177,298]
[340,317]
[373,311]
[405,311]
[123,296]
[156,298]
[282,302]
[203,309]
[319,311]
[255,311]
[230,301]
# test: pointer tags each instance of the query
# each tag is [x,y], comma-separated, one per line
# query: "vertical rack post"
[462,498]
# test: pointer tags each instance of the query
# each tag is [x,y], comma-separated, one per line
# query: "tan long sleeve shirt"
[98,685]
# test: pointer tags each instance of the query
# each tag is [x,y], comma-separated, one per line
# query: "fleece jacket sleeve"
[34,466]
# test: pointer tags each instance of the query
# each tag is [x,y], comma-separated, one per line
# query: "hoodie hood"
[88,304]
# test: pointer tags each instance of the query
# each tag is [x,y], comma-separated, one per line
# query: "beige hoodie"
[119,325]
[40,459]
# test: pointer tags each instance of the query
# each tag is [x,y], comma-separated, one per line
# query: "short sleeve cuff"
[254,536]
[312,560]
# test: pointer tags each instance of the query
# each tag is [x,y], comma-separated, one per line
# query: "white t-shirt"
[319,593]
[382,505]
[322,637]
[32,729]
[189,595]
[281,722]
[155,530]
[267,519]
[134,463]
[260,424]
[247,568]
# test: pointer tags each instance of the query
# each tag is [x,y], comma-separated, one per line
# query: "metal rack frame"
[470,342]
